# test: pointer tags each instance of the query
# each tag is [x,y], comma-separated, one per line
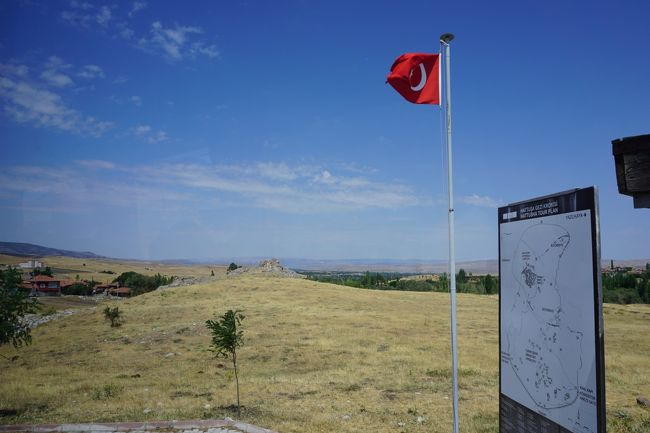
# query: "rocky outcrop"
[274,268]
[269,267]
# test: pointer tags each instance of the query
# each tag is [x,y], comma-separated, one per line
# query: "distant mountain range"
[414,266]
[31,250]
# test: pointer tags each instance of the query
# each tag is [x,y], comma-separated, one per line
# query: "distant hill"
[415,266]
[32,250]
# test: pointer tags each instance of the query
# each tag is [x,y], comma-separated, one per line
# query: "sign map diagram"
[547,349]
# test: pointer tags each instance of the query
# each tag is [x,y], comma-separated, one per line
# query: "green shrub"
[114,315]
[139,283]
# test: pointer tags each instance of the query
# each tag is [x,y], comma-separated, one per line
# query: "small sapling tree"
[114,315]
[227,336]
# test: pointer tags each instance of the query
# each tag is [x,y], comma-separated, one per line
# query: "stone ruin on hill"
[270,267]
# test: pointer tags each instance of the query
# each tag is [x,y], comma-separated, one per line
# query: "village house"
[101,288]
[42,285]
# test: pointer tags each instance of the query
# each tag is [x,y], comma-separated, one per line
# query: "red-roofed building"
[44,285]
[67,283]
[122,292]
[101,288]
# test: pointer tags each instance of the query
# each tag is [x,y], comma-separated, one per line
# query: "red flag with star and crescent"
[416,76]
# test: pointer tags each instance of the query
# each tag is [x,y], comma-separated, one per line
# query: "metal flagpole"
[444,43]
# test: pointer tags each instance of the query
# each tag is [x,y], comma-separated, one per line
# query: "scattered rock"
[419,419]
[346,417]
[401,424]
[34,320]
[147,410]
[643,401]
[169,354]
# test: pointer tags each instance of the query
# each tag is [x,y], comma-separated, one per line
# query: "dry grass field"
[317,358]
[68,268]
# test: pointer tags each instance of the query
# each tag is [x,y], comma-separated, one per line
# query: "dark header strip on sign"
[564,202]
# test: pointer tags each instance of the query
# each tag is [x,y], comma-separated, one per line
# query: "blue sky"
[161,130]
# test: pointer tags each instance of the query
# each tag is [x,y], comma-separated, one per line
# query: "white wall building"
[32,264]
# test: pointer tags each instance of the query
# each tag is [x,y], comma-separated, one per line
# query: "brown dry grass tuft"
[317,358]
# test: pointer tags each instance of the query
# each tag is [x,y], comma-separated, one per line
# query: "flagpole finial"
[446,38]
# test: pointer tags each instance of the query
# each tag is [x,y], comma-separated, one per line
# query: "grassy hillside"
[68,268]
[317,358]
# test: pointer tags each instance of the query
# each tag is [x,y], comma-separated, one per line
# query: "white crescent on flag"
[423,79]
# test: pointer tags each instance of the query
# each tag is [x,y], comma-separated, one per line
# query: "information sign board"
[550,315]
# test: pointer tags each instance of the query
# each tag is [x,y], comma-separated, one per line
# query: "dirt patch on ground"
[67,302]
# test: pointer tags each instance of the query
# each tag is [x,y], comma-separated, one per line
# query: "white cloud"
[120,79]
[173,43]
[281,187]
[277,186]
[276,171]
[137,7]
[14,70]
[103,16]
[206,50]
[90,72]
[83,187]
[25,102]
[477,200]
[148,133]
[176,43]
[56,79]
[85,14]
[126,32]
[136,100]
[53,72]
[142,129]
[96,164]
[157,137]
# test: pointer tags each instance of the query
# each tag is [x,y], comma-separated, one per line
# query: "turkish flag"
[416,77]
